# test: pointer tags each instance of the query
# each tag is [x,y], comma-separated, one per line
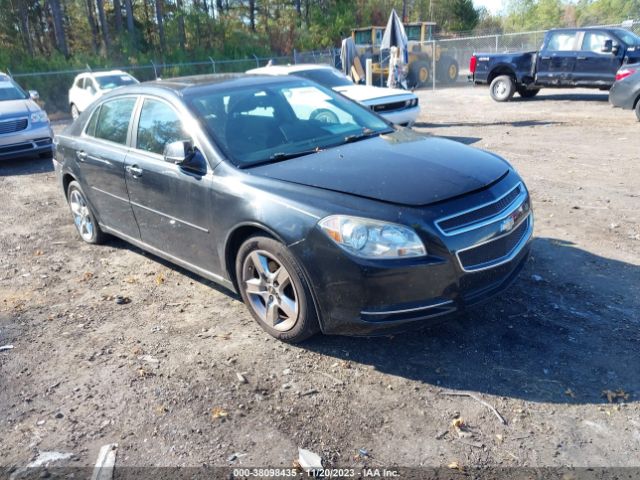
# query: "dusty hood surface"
[402,167]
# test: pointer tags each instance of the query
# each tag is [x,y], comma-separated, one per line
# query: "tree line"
[55,34]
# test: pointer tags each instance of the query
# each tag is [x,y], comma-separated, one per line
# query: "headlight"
[368,238]
[39,117]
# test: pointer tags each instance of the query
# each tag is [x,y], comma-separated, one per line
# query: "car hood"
[371,94]
[402,167]
[16,108]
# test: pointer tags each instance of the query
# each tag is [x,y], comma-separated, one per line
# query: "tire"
[448,70]
[419,74]
[526,93]
[324,115]
[83,217]
[263,266]
[502,88]
[75,113]
[638,109]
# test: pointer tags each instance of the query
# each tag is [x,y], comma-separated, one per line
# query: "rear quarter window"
[113,120]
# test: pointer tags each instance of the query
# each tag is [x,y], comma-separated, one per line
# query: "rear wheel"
[419,74]
[528,93]
[502,88]
[638,109]
[274,288]
[83,217]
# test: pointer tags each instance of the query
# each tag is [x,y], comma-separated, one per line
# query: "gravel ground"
[182,375]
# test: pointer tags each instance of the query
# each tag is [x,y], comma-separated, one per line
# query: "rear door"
[173,206]
[100,153]
[595,67]
[557,58]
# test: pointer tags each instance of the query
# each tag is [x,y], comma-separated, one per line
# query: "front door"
[557,59]
[173,205]
[101,151]
[594,65]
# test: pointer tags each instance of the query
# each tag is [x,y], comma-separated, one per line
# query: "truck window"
[562,41]
[594,41]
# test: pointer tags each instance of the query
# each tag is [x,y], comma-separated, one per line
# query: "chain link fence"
[53,86]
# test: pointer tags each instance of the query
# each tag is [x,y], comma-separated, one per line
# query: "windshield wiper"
[366,133]
[276,157]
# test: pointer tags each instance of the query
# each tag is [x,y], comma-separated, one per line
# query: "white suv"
[88,87]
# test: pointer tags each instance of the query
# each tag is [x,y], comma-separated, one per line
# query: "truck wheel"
[502,88]
[526,93]
[419,74]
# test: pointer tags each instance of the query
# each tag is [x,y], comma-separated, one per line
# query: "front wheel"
[83,217]
[274,288]
[75,113]
[502,88]
[638,109]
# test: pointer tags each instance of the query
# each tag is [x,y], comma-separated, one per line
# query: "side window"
[113,121]
[594,41]
[91,126]
[159,125]
[90,85]
[80,83]
[562,41]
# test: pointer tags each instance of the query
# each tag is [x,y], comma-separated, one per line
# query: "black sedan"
[337,223]
[625,92]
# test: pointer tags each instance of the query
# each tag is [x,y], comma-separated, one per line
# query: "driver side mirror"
[34,95]
[607,47]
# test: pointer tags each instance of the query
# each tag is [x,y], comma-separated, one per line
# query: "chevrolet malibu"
[348,226]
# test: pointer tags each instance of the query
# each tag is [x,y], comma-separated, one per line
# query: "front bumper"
[27,143]
[364,297]
[406,117]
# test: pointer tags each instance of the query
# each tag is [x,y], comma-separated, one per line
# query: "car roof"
[186,85]
[289,69]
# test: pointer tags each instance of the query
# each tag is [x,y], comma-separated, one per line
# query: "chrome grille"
[451,224]
[496,251]
[12,126]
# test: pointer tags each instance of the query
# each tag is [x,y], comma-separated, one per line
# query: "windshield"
[10,91]
[107,82]
[260,124]
[329,77]
[628,37]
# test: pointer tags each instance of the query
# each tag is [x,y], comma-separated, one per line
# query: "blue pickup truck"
[569,57]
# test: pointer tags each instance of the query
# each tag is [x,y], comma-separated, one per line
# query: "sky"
[494,6]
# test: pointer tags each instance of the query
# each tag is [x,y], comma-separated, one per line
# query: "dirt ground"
[163,376]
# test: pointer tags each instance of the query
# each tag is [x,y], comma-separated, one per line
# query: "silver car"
[24,127]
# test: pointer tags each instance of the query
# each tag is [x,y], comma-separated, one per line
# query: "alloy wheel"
[271,293]
[81,215]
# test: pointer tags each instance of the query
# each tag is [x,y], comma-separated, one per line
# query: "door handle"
[582,58]
[545,58]
[81,155]
[134,170]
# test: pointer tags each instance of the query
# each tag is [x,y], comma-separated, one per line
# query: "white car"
[398,106]
[88,87]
